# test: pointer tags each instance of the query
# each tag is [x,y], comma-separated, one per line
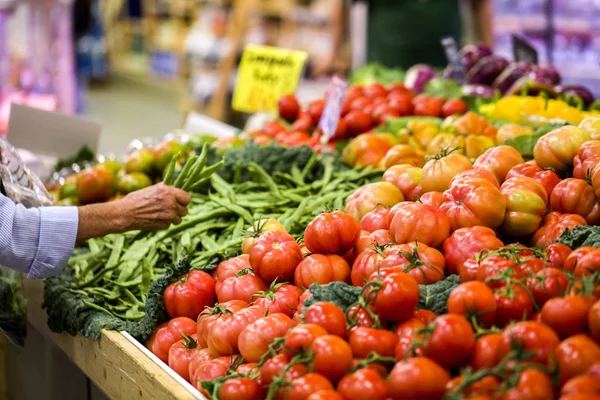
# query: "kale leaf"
[581,236]
[434,297]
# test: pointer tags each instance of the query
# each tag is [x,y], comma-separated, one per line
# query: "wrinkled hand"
[155,207]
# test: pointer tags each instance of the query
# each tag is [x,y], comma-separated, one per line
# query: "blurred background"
[140,66]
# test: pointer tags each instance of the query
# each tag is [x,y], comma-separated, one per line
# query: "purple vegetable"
[532,85]
[549,72]
[471,53]
[417,76]
[450,72]
[486,70]
[511,74]
[478,91]
[576,91]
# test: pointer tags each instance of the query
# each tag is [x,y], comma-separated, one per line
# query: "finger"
[181,211]
[182,196]
[177,220]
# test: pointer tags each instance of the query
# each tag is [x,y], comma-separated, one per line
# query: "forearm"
[96,220]
[483,16]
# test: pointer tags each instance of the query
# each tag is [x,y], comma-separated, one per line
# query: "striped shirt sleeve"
[36,241]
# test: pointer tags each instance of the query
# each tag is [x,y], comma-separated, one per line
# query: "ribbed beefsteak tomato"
[332,233]
[418,222]
[275,255]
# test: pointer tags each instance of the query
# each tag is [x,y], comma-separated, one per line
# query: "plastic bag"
[22,186]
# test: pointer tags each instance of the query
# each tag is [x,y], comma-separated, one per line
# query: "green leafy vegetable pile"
[83,155]
[13,306]
[110,284]
[581,236]
[375,72]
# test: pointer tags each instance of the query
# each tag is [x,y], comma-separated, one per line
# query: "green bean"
[209,243]
[168,180]
[242,212]
[308,167]
[197,168]
[190,222]
[116,252]
[207,172]
[185,172]
[221,186]
[239,227]
[262,175]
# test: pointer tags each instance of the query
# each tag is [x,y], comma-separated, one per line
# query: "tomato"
[368,262]
[332,233]
[375,219]
[418,222]
[454,106]
[546,284]
[375,90]
[514,304]
[406,178]
[254,339]
[556,254]
[499,160]
[536,337]
[371,195]
[576,196]
[321,269]
[274,367]
[439,171]
[402,154]
[199,357]
[510,131]
[242,286]
[325,395]
[557,148]
[357,316]
[432,199]
[279,298]
[168,335]
[525,205]
[583,261]
[273,128]
[315,110]
[327,315]
[553,225]
[371,240]
[401,104]
[332,356]
[586,386]
[208,317]
[548,178]
[95,185]
[368,149]
[478,173]
[300,337]
[181,354]
[224,333]
[289,108]
[451,341]
[396,298]
[210,371]
[576,355]
[594,321]
[229,268]
[533,384]
[364,384]
[473,202]
[241,389]
[302,124]
[493,266]
[259,227]
[302,387]
[275,255]
[357,122]
[293,138]
[425,264]
[486,351]
[465,243]
[430,107]
[417,379]
[473,299]
[364,340]
[567,315]
[188,296]
[595,180]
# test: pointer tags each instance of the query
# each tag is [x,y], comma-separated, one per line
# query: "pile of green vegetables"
[117,282]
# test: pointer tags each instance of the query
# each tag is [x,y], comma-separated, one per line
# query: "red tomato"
[396,298]
[170,334]
[418,222]
[321,269]
[360,103]
[533,384]
[486,352]
[432,199]
[302,387]
[473,299]
[358,316]
[280,298]
[451,341]
[302,124]
[254,340]
[335,232]
[586,159]
[208,317]
[357,122]
[210,371]
[199,357]
[401,103]
[553,225]
[189,295]
[289,108]
[594,321]
[365,340]
[341,131]
[582,387]
[454,106]
[228,268]
[368,240]
[567,315]
[273,128]
[514,304]
[556,254]
[315,109]
[576,196]
[473,202]
[325,395]
[583,261]
[499,160]
[375,219]
[370,196]
[95,185]
[366,263]
[275,255]
[479,173]
[439,171]
[241,388]
[332,356]
[224,333]
[364,384]
[243,286]
[532,336]
[548,178]
[576,355]
[327,315]
[423,263]
[375,90]
[293,138]
[416,379]
[300,337]
[406,178]
[428,107]
[181,354]
[546,284]
[274,367]
[465,243]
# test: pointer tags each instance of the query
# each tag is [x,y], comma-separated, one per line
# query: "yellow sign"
[264,75]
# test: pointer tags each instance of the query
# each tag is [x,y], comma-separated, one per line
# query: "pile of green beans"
[118,270]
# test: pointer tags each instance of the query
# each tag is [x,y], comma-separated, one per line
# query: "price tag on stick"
[523,51]
[264,75]
[451,50]
[333,108]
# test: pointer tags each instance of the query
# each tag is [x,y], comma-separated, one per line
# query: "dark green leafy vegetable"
[581,236]
[434,297]
[13,306]
[83,155]
[444,88]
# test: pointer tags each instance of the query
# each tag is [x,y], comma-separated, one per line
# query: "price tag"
[451,50]
[333,107]
[264,75]
[523,51]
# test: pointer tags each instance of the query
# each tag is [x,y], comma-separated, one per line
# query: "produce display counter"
[119,368]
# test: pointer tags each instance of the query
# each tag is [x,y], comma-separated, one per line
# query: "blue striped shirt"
[36,241]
